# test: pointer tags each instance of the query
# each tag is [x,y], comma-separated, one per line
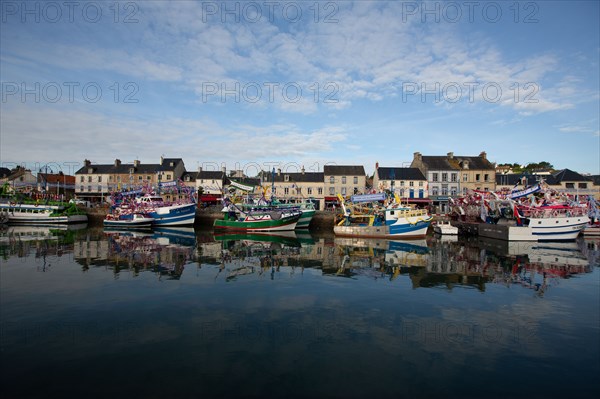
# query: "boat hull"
[559,228]
[305,218]
[403,231]
[45,219]
[283,224]
[174,215]
[145,223]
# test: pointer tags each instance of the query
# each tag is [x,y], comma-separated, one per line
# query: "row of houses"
[428,181]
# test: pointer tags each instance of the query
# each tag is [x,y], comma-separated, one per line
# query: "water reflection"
[310,314]
[427,263]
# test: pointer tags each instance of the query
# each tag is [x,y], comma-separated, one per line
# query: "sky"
[289,84]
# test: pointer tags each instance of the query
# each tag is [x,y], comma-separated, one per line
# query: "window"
[477,177]
[401,182]
[99,188]
[444,190]
[444,176]
[89,179]
[570,185]
[159,177]
[286,190]
[89,189]
[286,178]
[168,177]
[465,178]
[464,191]
[343,179]
[140,178]
[453,191]
[118,178]
[110,178]
[434,191]
[331,180]
[320,191]
[420,184]
[82,179]
[454,177]
[411,183]
[434,177]
[148,178]
[582,185]
[99,179]
[309,190]
[331,191]
[355,179]
[81,188]
[343,190]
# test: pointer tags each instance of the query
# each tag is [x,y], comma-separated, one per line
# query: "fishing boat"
[135,221]
[376,221]
[163,213]
[19,213]
[445,228]
[507,220]
[259,220]
[166,213]
[306,209]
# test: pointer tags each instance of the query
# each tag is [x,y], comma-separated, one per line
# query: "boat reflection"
[164,252]
[22,240]
[427,263]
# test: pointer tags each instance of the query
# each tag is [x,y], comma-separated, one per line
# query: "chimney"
[162,159]
[86,163]
[450,155]
[117,162]
[376,165]
[224,170]
[278,172]
[465,164]
[136,163]
[302,170]
[417,156]
[483,155]
[199,169]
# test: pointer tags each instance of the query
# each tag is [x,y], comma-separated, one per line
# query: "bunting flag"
[517,216]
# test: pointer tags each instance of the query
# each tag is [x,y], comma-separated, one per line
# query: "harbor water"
[184,313]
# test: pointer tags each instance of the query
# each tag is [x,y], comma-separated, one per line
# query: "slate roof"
[124,167]
[4,172]
[344,170]
[567,175]
[400,174]
[188,176]
[296,177]
[442,162]
[596,179]
[209,175]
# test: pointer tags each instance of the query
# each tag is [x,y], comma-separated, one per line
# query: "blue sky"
[290,84]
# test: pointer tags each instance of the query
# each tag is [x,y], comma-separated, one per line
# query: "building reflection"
[164,252]
[435,262]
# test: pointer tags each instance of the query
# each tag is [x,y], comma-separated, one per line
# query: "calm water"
[178,313]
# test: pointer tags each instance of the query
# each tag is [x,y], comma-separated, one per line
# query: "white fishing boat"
[445,228]
[18,213]
[136,221]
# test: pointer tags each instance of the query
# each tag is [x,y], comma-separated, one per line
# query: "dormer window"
[131,170]
[286,178]
[90,170]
